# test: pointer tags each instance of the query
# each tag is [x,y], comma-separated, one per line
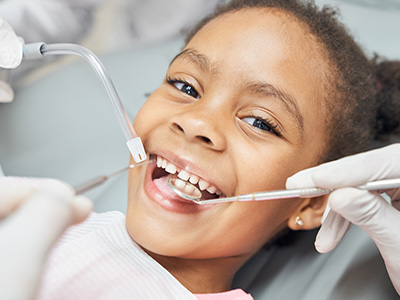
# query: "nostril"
[179,127]
[206,139]
[192,131]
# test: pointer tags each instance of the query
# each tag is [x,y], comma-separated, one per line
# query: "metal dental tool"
[40,50]
[188,191]
[99,180]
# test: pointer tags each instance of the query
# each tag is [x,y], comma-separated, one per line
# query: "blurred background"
[375,23]
[61,124]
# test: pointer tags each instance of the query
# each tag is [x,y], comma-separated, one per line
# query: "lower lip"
[175,203]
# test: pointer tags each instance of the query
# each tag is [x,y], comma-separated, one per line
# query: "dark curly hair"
[363,95]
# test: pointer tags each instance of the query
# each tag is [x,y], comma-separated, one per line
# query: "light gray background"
[61,125]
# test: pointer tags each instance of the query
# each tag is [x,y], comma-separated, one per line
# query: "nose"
[199,126]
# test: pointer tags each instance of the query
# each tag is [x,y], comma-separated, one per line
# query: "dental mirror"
[190,192]
[184,189]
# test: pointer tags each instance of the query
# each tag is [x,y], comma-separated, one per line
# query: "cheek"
[268,219]
[265,168]
[151,114]
[142,120]
[248,228]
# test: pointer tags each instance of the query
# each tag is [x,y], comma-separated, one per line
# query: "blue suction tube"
[40,50]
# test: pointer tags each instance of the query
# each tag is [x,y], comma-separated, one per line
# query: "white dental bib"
[98,260]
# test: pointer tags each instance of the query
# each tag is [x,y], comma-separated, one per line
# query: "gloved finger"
[350,205]
[11,197]
[26,237]
[332,231]
[368,210]
[6,92]
[11,47]
[49,185]
[28,233]
[81,208]
[380,220]
[351,171]
[13,190]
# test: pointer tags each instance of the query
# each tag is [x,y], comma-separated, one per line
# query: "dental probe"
[379,185]
[40,50]
[99,180]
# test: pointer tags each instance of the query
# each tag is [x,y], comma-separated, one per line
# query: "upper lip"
[183,163]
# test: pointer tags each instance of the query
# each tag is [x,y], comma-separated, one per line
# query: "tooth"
[184,175]
[203,184]
[170,169]
[212,189]
[164,164]
[179,184]
[189,189]
[159,161]
[194,179]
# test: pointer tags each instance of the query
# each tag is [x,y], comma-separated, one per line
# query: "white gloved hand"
[33,214]
[11,50]
[369,210]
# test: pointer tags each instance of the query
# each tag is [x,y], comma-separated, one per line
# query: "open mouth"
[166,170]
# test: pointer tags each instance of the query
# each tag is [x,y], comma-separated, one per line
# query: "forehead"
[266,45]
[260,35]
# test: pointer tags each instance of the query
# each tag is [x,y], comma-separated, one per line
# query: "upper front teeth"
[185,175]
[194,179]
[170,168]
[203,185]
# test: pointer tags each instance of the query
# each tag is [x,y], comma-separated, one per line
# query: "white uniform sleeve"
[49,21]
[150,21]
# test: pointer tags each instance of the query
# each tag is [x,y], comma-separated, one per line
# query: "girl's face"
[241,109]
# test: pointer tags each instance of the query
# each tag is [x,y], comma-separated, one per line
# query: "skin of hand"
[32,217]
[11,50]
[369,210]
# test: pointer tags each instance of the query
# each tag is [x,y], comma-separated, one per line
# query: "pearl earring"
[299,221]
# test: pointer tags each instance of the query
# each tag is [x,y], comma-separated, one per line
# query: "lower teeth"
[184,189]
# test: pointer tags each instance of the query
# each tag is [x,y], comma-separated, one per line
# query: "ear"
[309,214]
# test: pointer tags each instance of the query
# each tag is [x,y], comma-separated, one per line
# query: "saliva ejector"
[40,50]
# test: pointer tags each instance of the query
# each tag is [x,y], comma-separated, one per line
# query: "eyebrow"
[269,90]
[193,56]
[259,88]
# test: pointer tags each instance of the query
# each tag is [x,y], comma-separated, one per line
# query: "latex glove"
[33,214]
[369,210]
[11,50]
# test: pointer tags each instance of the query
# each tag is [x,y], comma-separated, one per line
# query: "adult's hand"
[33,214]
[11,50]
[369,210]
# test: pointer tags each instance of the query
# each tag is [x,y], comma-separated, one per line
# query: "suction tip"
[33,51]
[136,148]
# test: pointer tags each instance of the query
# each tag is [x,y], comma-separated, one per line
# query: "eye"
[184,86]
[263,124]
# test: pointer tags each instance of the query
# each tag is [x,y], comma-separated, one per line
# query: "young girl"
[262,90]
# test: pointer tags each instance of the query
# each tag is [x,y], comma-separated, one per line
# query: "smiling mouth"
[166,170]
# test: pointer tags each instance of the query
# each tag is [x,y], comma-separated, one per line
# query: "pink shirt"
[98,260]
[237,294]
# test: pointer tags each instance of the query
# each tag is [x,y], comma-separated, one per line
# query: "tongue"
[162,184]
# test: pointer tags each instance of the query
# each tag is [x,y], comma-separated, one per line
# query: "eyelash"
[271,126]
[172,81]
